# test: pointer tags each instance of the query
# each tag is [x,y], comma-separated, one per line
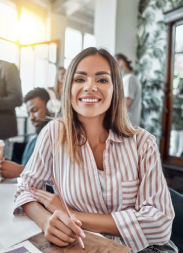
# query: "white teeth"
[89,100]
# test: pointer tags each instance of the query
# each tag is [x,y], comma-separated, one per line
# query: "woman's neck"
[96,133]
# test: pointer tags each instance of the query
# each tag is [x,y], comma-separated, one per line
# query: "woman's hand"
[49,200]
[62,230]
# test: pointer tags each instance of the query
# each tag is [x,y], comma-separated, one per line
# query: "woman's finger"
[41,192]
[40,197]
[56,222]
[51,238]
[62,236]
[78,222]
[70,224]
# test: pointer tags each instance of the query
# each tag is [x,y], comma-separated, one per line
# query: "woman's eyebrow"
[102,73]
[97,73]
[81,73]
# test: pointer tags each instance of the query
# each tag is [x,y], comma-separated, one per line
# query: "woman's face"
[92,87]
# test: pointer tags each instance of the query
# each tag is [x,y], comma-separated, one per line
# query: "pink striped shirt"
[136,193]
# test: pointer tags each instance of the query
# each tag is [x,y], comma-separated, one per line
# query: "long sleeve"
[37,171]
[151,220]
[13,97]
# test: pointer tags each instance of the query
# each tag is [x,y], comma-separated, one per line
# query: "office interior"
[41,35]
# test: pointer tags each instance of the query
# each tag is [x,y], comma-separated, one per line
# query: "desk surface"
[93,244]
[15,229]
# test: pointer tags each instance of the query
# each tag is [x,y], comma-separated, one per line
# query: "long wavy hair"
[116,117]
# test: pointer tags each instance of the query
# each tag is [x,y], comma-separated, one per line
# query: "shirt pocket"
[129,191]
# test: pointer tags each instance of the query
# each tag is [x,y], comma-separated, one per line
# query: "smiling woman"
[109,173]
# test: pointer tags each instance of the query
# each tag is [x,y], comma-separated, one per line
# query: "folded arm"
[99,223]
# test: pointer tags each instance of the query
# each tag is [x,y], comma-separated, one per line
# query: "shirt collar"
[114,137]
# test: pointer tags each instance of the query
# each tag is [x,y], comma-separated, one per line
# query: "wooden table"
[93,244]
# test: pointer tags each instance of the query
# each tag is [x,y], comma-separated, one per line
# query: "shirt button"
[108,173]
[109,198]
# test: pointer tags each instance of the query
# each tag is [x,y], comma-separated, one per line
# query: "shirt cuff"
[21,200]
[130,230]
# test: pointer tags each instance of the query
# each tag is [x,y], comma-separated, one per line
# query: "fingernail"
[82,234]
[78,221]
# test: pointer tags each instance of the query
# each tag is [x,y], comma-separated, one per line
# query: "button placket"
[107,175]
[97,180]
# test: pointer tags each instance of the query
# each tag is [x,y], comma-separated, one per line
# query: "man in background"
[36,101]
[10,97]
[132,89]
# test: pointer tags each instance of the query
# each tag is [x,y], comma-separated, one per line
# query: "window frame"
[172,20]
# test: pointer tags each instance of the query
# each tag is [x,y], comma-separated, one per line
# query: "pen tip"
[83,248]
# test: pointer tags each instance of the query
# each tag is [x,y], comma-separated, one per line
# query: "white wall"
[105,24]
[115,26]
[126,28]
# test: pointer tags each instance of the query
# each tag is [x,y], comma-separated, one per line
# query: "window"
[75,41]
[73,45]
[172,126]
[31,28]
[38,65]
[36,60]
[5,48]
[176,134]
[8,17]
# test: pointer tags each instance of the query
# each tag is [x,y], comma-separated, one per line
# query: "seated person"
[36,101]
[108,172]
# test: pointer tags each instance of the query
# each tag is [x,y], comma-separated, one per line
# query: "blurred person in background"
[54,105]
[10,97]
[59,82]
[36,101]
[132,89]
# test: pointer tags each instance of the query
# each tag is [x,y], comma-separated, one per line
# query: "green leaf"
[143,4]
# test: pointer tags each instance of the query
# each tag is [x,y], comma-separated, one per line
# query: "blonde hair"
[116,117]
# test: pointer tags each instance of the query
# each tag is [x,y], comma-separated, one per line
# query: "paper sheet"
[13,229]
[14,233]
[24,247]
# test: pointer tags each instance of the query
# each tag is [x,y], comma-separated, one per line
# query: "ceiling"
[73,8]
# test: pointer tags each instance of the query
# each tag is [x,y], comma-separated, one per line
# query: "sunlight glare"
[31,28]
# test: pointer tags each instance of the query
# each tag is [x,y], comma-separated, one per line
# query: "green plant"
[151,55]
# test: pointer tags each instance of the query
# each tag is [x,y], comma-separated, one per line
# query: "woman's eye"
[79,80]
[102,80]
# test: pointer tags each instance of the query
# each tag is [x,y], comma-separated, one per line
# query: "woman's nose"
[90,86]
[93,89]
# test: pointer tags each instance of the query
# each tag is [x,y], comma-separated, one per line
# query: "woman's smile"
[89,100]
